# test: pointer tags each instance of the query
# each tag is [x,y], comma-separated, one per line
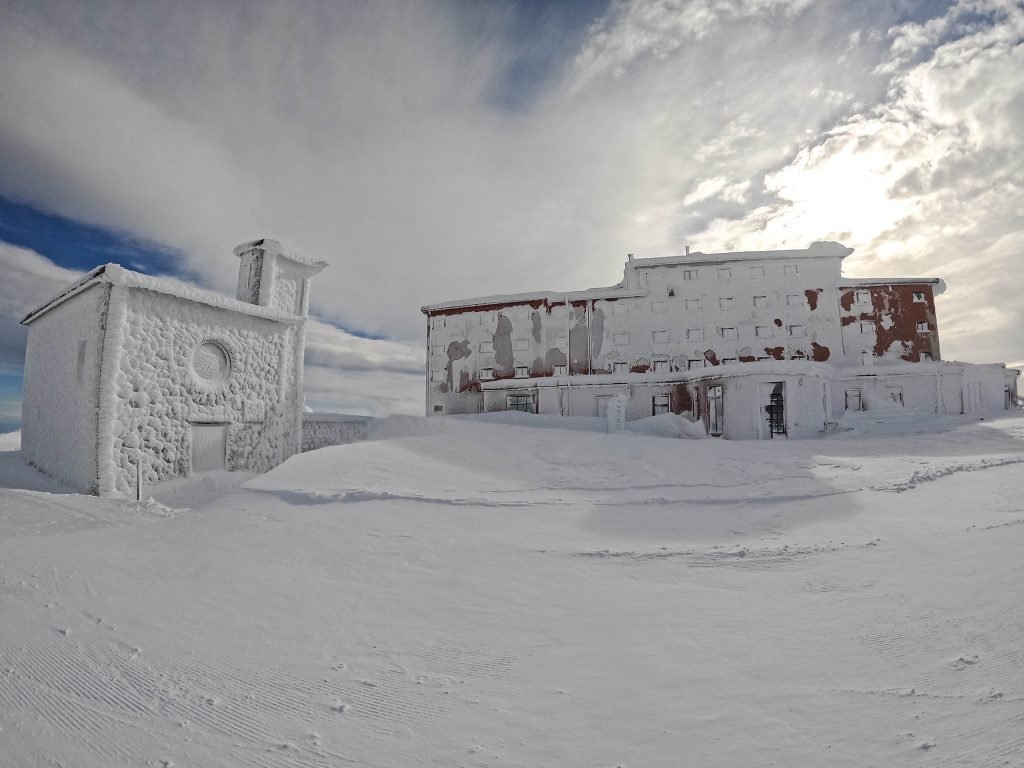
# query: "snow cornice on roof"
[274,247]
[867,282]
[553,298]
[817,250]
[115,274]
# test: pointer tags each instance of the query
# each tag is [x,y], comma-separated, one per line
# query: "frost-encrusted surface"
[157,392]
[320,430]
[61,375]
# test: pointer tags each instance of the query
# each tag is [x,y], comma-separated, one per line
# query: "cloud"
[29,279]
[398,142]
[930,181]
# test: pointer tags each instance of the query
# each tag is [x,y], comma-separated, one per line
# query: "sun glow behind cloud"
[435,150]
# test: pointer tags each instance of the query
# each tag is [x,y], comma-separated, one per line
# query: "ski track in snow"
[749,602]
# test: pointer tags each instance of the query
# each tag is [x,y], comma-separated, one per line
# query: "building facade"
[130,377]
[755,344]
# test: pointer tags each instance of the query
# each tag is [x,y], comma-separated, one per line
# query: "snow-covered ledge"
[320,430]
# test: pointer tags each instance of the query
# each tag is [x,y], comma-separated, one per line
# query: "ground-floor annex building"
[755,344]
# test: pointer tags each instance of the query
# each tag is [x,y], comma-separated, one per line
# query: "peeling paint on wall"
[820,353]
[776,352]
[812,297]
[535,320]
[502,340]
[579,359]
[711,357]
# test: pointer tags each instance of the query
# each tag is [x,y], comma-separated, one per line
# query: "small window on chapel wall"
[919,296]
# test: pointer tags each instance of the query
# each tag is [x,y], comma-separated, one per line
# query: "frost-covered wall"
[181,363]
[59,406]
[889,322]
[320,430]
[667,317]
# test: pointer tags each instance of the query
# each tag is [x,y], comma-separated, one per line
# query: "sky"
[436,150]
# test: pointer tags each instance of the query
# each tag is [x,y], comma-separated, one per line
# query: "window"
[797,330]
[438,349]
[619,308]
[763,331]
[602,405]
[438,409]
[485,319]
[486,346]
[725,302]
[620,367]
[437,322]
[661,404]
[560,370]
[661,366]
[658,307]
[660,337]
[760,301]
[791,269]
[919,296]
[798,355]
[728,333]
[694,334]
[724,273]
[895,394]
[862,297]
[522,372]
[926,357]
[486,373]
[694,364]
[620,339]
[756,272]
[524,403]
[794,299]
[689,274]
[867,327]
[691,305]
[728,360]
[922,326]
[853,400]
[437,375]
[520,313]
[521,345]
[655,277]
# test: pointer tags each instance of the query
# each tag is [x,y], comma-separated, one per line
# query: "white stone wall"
[320,430]
[156,392]
[59,407]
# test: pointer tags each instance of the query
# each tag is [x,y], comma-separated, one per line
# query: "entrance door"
[774,409]
[716,410]
[209,447]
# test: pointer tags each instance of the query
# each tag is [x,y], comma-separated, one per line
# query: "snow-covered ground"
[483,593]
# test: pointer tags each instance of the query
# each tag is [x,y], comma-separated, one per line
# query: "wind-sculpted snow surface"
[480,592]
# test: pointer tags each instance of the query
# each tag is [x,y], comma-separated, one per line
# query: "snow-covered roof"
[551,297]
[817,250]
[274,247]
[115,274]
[867,282]
[814,250]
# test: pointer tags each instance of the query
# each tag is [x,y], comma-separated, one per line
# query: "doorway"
[716,410]
[209,447]
[773,396]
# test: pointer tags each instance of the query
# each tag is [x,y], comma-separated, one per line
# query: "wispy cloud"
[411,146]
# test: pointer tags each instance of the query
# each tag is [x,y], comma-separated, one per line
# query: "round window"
[211,363]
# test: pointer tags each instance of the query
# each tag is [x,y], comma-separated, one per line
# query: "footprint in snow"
[962,662]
